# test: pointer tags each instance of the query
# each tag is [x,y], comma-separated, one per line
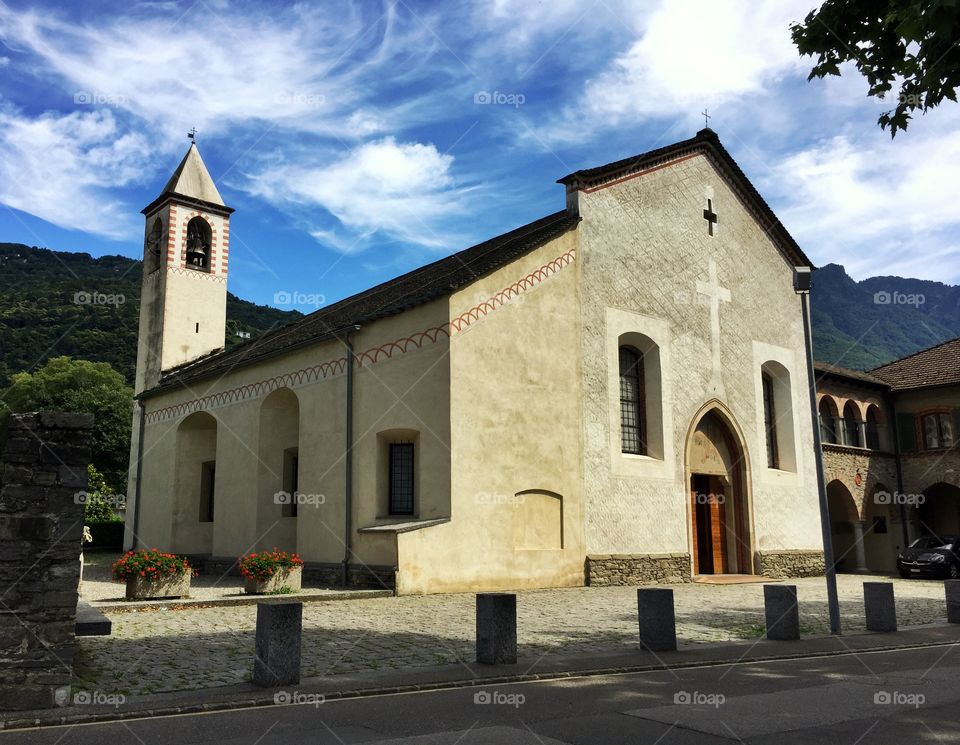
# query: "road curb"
[821,646]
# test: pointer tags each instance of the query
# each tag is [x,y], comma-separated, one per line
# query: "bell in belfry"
[198,247]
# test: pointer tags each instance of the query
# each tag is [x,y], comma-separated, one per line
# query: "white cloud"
[687,54]
[403,191]
[876,205]
[213,70]
[61,168]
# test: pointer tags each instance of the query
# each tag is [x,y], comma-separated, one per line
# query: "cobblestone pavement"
[165,650]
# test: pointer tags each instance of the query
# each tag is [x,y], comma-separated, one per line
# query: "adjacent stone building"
[614,393]
[891,455]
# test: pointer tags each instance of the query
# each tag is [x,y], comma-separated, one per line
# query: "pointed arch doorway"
[720,520]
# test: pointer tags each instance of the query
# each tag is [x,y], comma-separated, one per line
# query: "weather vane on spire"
[706,118]
[192,134]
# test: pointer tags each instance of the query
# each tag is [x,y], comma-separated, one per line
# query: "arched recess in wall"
[278,471]
[828,421]
[537,520]
[939,512]
[851,425]
[874,424]
[778,416]
[641,396]
[843,514]
[195,485]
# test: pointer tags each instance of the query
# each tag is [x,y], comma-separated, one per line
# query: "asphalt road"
[909,696]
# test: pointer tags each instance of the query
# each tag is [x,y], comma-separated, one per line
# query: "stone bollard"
[496,628]
[782,612]
[879,606]
[952,589]
[658,623]
[277,661]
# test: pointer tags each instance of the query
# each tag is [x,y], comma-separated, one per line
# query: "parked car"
[931,556]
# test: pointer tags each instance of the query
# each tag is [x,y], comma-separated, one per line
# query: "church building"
[615,393]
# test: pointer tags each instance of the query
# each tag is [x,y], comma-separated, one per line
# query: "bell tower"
[183,302]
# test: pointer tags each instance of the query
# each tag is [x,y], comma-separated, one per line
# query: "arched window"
[828,431]
[770,421]
[199,239]
[851,425]
[873,428]
[154,247]
[777,402]
[633,417]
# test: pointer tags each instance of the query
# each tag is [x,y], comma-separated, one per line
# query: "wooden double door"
[718,545]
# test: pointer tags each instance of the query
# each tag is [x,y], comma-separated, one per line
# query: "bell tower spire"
[183,303]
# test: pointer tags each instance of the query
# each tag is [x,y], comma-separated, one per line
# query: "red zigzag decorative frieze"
[338,366]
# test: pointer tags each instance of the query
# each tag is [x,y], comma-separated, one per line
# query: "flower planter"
[164,586]
[291,578]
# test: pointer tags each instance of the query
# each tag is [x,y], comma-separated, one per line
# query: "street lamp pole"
[801,285]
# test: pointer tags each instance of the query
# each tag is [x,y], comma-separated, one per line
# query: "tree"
[101,500]
[66,384]
[910,42]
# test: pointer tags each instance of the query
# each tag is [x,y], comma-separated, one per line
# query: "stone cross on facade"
[715,294]
[710,216]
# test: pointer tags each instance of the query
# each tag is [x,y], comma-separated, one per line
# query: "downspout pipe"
[348,463]
[801,285]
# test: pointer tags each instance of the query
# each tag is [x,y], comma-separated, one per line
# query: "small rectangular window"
[401,478]
[291,481]
[937,429]
[208,482]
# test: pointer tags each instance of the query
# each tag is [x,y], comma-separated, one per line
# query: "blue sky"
[360,140]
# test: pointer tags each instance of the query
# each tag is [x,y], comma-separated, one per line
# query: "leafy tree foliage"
[65,384]
[101,499]
[910,43]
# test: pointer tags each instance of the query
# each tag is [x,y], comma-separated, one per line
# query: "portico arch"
[720,517]
[195,484]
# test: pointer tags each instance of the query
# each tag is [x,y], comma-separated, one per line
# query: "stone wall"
[41,523]
[604,570]
[790,563]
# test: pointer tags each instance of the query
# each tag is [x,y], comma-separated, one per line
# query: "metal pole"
[833,601]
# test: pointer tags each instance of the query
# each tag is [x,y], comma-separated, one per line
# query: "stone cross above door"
[715,295]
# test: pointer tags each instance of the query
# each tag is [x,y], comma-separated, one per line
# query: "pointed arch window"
[633,418]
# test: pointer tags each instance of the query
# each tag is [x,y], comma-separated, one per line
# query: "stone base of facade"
[314,573]
[791,563]
[605,570]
